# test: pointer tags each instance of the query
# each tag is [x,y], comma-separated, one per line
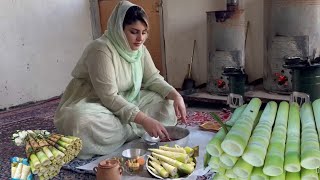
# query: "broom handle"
[190,65]
[189,71]
[194,45]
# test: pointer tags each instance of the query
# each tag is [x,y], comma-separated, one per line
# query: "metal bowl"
[179,136]
[130,156]
[133,153]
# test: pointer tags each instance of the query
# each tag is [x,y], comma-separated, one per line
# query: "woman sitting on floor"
[104,104]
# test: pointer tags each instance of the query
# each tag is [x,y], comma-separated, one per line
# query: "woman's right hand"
[154,128]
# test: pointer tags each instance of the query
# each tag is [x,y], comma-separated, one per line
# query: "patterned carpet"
[40,116]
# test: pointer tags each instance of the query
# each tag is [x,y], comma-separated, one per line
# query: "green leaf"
[207,157]
[217,118]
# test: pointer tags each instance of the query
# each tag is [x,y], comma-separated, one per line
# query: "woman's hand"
[154,128]
[179,106]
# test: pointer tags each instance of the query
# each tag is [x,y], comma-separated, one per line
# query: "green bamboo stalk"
[237,138]
[256,149]
[310,150]
[275,156]
[292,150]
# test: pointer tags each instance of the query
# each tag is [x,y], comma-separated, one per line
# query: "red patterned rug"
[40,116]
[196,118]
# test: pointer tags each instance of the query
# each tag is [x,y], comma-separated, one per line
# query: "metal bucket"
[293,30]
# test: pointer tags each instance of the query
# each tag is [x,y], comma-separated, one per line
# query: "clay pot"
[109,169]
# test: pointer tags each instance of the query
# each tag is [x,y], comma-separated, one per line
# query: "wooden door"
[153,43]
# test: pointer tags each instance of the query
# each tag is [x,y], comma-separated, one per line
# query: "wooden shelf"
[265,95]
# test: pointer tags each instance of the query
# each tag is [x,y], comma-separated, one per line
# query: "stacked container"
[293,30]
[226,47]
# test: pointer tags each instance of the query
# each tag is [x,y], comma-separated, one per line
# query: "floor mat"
[196,118]
[40,116]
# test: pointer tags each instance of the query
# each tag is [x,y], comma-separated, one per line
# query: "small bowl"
[178,135]
[150,140]
[132,155]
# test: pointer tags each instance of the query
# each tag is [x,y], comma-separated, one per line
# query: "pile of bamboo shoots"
[20,169]
[172,162]
[280,142]
[46,152]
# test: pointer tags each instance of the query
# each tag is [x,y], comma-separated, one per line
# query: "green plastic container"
[237,84]
[237,80]
[307,80]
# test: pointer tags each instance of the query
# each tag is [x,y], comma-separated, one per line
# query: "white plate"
[151,172]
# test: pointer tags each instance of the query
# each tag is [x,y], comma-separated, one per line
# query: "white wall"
[186,20]
[40,42]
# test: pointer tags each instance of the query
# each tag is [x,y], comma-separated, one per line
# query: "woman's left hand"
[179,106]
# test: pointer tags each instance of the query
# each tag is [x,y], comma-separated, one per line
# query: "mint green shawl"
[118,39]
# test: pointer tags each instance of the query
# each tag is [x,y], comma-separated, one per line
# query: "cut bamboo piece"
[256,150]
[237,139]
